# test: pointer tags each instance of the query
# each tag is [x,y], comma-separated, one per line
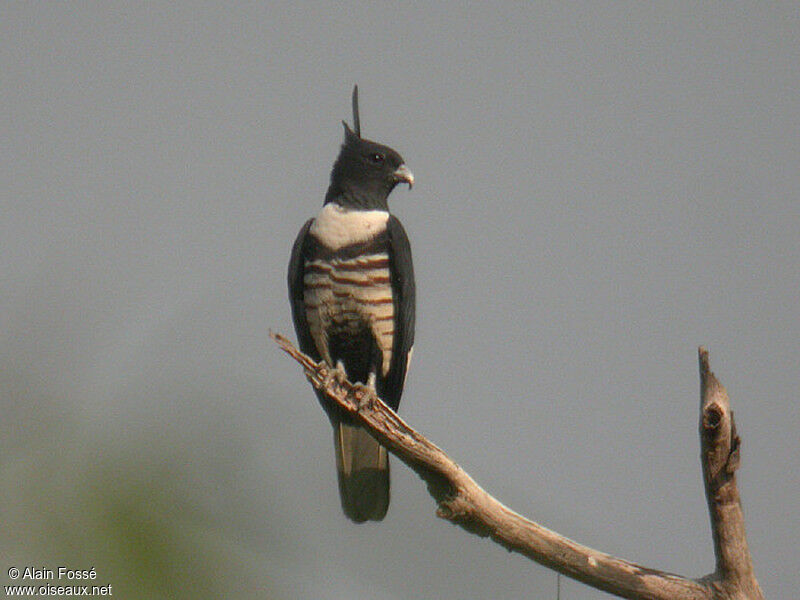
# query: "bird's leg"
[371,383]
[339,373]
[336,373]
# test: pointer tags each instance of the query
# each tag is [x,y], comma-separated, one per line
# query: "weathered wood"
[719,455]
[461,500]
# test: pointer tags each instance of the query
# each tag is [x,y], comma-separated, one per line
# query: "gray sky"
[600,189]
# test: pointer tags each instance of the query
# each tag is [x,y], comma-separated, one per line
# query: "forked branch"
[465,503]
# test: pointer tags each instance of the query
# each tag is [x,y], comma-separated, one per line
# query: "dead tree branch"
[465,503]
[720,444]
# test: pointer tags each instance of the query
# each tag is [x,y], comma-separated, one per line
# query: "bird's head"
[365,172]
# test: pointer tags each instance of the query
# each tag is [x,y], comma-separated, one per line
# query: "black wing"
[296,273]
[404,292]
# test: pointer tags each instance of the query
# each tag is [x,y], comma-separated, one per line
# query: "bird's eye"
[376,158]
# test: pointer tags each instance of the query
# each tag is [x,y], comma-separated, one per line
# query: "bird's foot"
[337,374]
[366,399]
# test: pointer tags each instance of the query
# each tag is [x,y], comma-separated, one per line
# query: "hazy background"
[600,189]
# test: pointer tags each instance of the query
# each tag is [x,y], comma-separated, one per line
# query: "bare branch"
[465,503]
[719,455]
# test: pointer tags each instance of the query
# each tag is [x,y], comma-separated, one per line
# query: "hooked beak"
[403,173]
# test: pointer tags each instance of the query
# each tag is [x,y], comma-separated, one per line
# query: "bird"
[353,295]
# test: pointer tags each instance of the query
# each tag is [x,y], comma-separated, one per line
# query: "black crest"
[356,119]
[349,133]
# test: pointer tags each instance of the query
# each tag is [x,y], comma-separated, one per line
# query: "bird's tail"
[363,467]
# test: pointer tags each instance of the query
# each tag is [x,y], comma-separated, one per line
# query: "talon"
[330,375]
[358,396]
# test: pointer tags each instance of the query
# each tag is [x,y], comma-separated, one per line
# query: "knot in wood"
[454,509]
[712,417]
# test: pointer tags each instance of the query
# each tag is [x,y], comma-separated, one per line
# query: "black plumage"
[352,293]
